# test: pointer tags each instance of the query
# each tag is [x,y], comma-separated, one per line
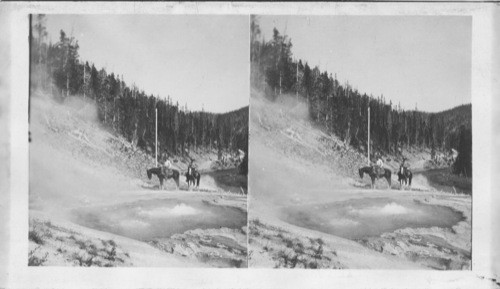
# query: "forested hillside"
[342,110]
[126,109]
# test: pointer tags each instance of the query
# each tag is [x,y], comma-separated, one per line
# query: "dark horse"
[372,172]
[404,175]
[193,177]
[173,174]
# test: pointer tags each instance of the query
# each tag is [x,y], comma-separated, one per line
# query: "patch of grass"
[312,265]
[236,263]
[111,254]
[256,222]
[49,225]
[294,260]
[254,231]
[81,244]
[34,260]
[288,242]
[35,236]
[118,259]
[283,259]
[286,260]
[318,252]
[92,250]
[299,248]
[47,234]
[82,260]
[97,263]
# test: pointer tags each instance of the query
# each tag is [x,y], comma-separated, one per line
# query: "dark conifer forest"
[341,110]
[125,109]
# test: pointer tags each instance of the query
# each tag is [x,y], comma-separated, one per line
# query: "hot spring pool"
[146,220]
[370,217]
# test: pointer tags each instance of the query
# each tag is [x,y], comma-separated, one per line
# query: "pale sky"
[423,60]
[198,60]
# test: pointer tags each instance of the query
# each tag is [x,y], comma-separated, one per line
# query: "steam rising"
[67,146]
[389,209]
[279,174]
[162,212]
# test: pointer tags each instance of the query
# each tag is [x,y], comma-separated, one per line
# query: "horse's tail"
[410,177]
[198,179]
[149,174]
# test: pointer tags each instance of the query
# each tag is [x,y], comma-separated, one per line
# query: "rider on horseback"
[192,167]
[404,166]
[379,167]
[166,166]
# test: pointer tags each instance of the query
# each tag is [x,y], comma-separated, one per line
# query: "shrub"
[35,236]
[82,260]
[313,265]
[34,260]
[299,248]
[111,254]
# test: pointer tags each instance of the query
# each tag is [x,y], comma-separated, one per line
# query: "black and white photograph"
[249,145]
[361,142]
[138,140]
